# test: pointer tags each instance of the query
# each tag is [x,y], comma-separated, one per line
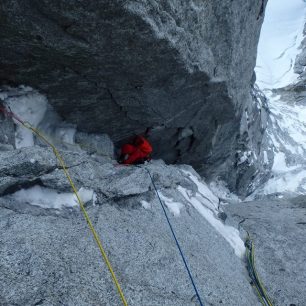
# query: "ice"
[49,198]
[280,38]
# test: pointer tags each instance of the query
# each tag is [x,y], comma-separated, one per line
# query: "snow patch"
[244,157]
[230,234]
[174,207]
[294,181]
[66,135]
[204,191]
[219,188]
[280,38]
[279,164]
[30,106]
[265,156]
[145,204]
[207,204]
[50,198]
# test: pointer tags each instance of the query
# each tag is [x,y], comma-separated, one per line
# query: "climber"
[136,152]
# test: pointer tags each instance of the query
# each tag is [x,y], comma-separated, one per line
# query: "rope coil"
[256,282]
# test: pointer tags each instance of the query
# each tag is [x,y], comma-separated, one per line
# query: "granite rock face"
[180,70]
[7,136]
[278,227]
[48,256]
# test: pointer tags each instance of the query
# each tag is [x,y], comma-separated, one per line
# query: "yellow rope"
[95,235]
[257,277]
[76,145]
[260,289]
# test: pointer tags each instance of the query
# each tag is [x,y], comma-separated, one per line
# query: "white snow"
[288,135]
[287,182]
[204,192]
[279,164]
[229,233]
[33,107]
[243,158]
[28,105]
[87,195]
[145,204]
[289,119]
[219,188]
[49,198]
[206,203]
[280,38]
[174,207]
[66,134]
[266,160]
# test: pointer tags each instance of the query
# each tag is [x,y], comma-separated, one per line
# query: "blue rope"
[176,241]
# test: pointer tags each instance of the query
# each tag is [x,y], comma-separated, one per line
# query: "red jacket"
[140,150]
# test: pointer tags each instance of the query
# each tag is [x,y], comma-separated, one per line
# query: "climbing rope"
[53,139]
[87,218]
[176,241]
[256,282]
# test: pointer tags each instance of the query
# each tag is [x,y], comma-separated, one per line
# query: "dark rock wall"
[181,69]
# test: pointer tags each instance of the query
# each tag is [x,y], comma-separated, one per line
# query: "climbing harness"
[82,206]
[255,280]
[176,241]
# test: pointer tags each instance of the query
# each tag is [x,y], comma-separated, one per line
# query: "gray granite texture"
[180,70]
[278,228]
[48,256]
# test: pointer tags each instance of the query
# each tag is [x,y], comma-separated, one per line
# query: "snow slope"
[281,36]
[279,45]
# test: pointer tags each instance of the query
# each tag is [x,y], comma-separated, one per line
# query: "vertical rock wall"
[181,70]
